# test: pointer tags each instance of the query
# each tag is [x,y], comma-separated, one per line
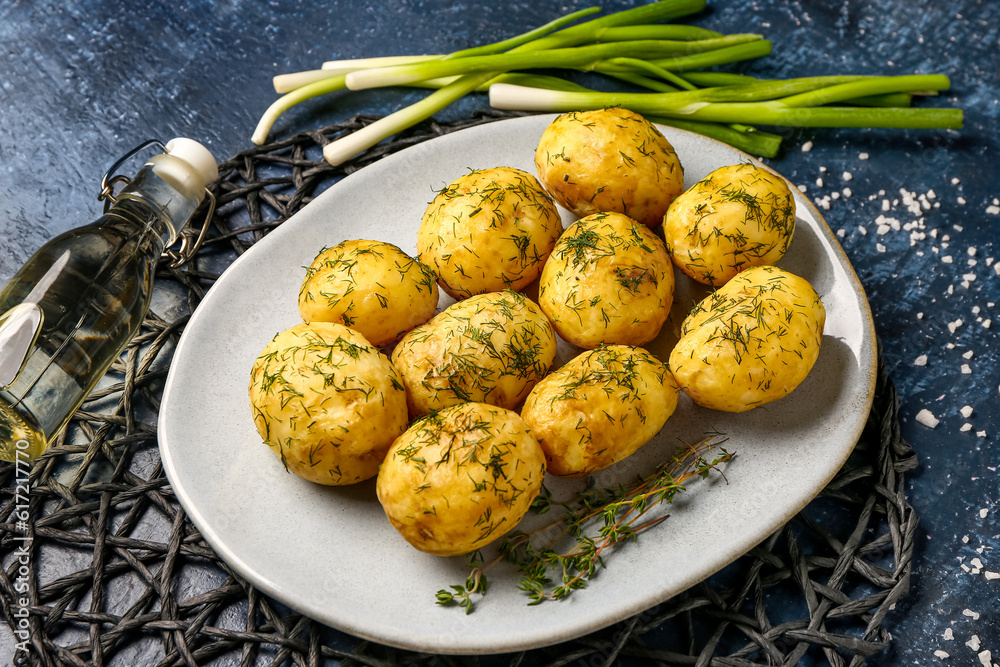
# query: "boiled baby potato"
[736,217]
[488,230]
[490,348]
[460,478]
[609,160]
[751,342]
[608,280]
[373,287]
[599,408]
[327,402]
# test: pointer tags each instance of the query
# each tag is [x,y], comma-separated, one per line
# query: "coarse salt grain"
[966,370]
[968,355]
[848,176]
[921,360]
[966,411]
[993,210]
[863,232]
[980,434]
[948,634]
[986,324]
[966,427]
[862,156]
[974,615]
[991,575]
[847,192]
[841,233]
[952,326]
[806,147]
[955,181]
[947,259]
[879,247]
[802,188]
[983,512]
[926,418]
[819,182]
[973,642]
[985,658]
[961,200]
[941,654]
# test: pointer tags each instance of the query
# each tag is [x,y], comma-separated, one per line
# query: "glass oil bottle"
[69,312]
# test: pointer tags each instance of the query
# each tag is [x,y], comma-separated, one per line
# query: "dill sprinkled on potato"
[489,230]
[370,286]
[622,396]
[490,348]
[609,160]
[750,342]
[737,217]
[608,280]
[460,477]
[326,402]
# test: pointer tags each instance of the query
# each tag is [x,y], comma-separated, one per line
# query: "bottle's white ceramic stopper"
[195,155]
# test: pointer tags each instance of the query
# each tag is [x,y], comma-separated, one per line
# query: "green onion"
[686,33]
[748,140]
[283,104]
[316,85]
[580,57]
[519,40]
[337,152]
[631,46]
[343,149]
[723,104]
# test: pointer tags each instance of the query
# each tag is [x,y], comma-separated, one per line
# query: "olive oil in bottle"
[68,313]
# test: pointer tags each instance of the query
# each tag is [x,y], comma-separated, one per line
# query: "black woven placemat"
[115,574]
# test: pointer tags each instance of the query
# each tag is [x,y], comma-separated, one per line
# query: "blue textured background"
[83,81]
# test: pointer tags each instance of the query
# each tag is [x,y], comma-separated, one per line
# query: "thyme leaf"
[560,558]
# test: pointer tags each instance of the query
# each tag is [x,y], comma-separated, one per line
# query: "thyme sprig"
[592,523]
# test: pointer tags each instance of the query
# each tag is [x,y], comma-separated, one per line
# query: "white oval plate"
[331,554]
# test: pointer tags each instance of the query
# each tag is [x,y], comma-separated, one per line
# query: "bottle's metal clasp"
[190,241]
[107,194]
